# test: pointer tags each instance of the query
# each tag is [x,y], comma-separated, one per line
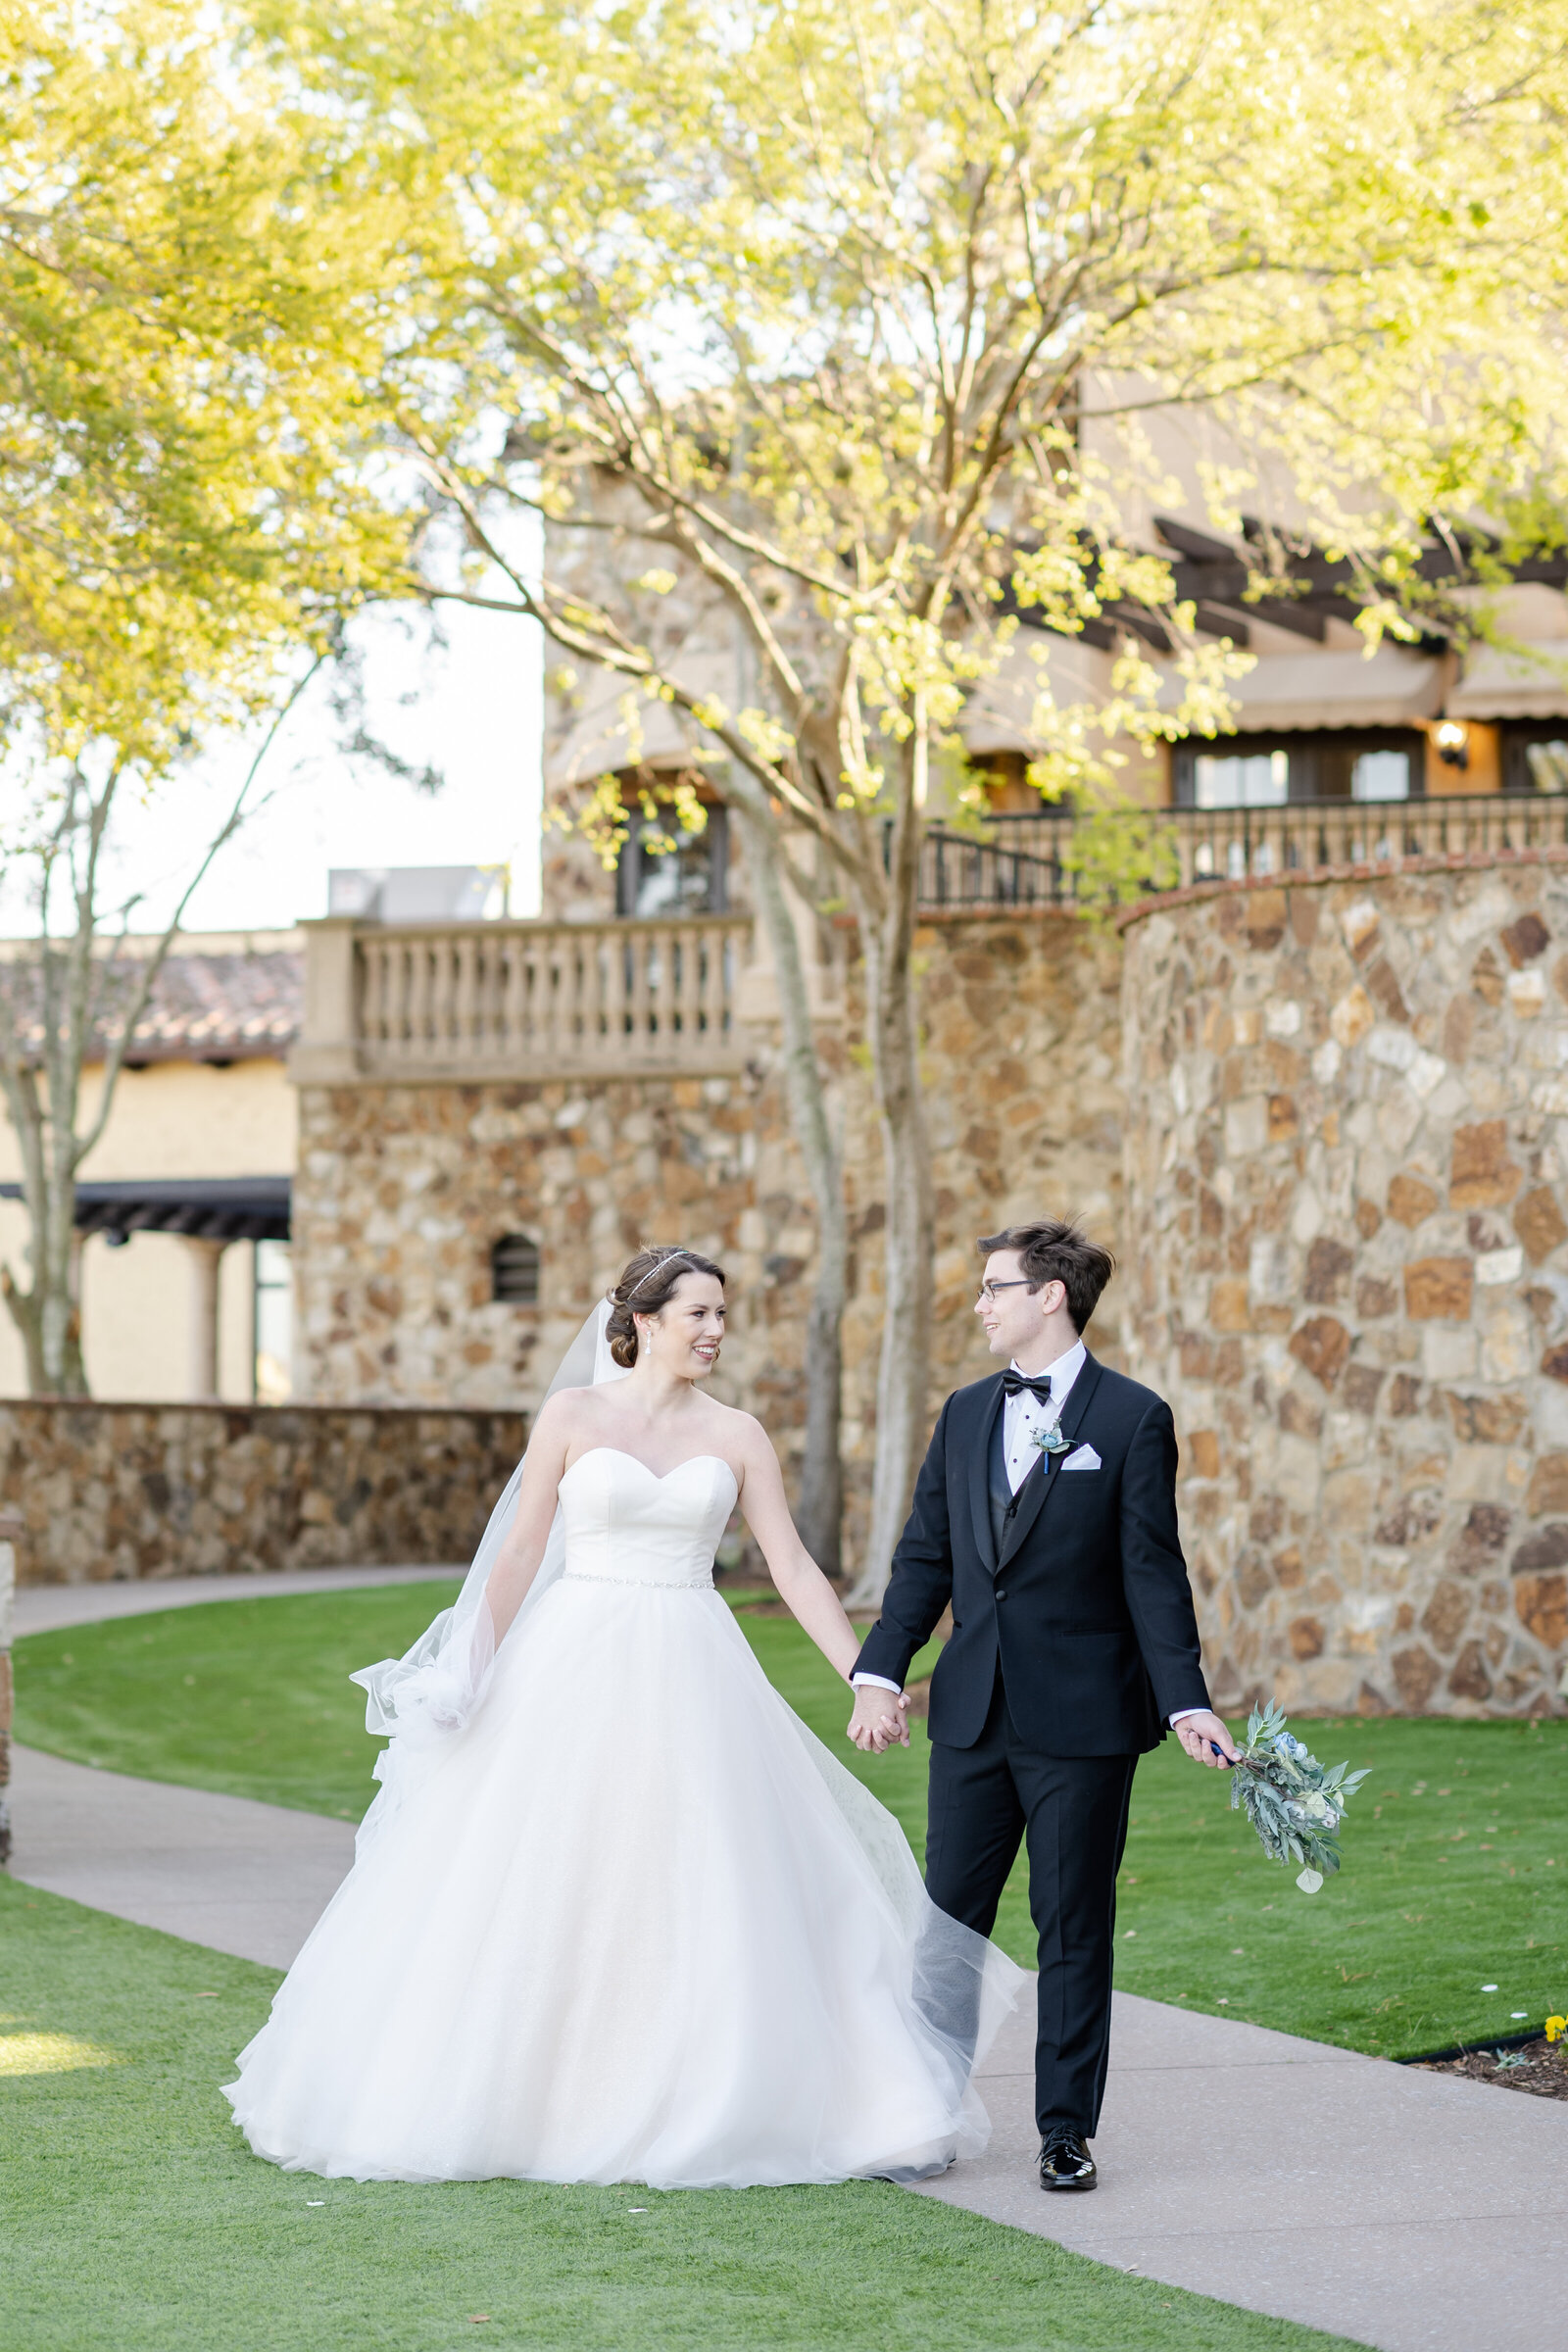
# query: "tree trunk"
[28,1322]
[819,1505]
[909,1238]
[48,1314]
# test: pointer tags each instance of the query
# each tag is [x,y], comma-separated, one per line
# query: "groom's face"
[1014,1318]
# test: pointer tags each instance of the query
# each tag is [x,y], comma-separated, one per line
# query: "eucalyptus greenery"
[1294,1803]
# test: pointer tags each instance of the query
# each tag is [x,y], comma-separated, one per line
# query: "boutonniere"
[1051,1441]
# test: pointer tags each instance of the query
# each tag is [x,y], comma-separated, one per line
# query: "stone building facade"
[404,1189]
[1348,1232]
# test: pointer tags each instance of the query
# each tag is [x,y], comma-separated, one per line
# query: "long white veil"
[418,1700]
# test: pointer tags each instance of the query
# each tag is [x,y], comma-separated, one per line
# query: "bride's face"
[685,1336]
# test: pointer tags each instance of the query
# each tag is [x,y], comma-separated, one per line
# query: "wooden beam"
[1212,622]
[1303,620]
[1196,543]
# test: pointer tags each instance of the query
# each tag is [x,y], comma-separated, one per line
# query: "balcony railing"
[618,998]
[521,1000]
[1020,862]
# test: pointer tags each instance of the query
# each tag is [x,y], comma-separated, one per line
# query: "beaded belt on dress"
[647,1583]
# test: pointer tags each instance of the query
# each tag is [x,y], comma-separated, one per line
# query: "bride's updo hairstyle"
[648,1281]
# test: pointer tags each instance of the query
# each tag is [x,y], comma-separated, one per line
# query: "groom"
[1045,1514]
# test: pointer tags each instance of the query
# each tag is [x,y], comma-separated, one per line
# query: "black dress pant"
[1073,1812]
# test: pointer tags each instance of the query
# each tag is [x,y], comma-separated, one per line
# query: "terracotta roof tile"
[206,1008]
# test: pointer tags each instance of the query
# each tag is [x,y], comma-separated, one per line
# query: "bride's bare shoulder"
[562,1416]
[742,1432]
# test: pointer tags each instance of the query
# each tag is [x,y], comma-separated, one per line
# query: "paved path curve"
[1412,2212]
[224,1871]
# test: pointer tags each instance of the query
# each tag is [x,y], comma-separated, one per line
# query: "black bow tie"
[1014,1384]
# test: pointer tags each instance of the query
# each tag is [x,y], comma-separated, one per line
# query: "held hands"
[1201,1735]
[880,1720]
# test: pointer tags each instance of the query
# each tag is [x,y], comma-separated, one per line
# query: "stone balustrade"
[521,1000]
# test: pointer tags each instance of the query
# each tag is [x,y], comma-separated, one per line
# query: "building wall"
[170,1118]
[402,1191]
[110,1490]
[1348,1225]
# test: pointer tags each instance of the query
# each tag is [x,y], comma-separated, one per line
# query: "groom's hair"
[1051,1251]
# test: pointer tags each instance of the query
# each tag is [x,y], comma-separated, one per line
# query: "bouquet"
[1293,1801]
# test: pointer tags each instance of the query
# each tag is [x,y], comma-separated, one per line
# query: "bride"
[615,1914]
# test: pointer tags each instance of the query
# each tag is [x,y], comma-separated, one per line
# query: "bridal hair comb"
[660,1268]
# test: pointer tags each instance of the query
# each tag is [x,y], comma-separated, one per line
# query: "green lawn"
[136,2222]
[1456,1851]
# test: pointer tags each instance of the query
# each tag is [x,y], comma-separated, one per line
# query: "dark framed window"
[514,1271]
[1329,764]
[1535,754]
[688,879]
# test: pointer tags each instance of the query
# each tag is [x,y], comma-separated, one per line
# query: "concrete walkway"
[223,1871]
[46,1608]
[1414,2212]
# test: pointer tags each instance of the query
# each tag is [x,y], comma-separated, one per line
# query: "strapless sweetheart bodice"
[626,1526]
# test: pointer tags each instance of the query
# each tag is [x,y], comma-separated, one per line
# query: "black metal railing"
[1022,861]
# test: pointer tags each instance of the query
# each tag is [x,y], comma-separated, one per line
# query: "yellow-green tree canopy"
[826,289]
[198,296]
[194,301]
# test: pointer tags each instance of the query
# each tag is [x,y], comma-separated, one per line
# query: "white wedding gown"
[634,1923]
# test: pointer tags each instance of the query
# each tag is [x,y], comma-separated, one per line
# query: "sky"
[469,706]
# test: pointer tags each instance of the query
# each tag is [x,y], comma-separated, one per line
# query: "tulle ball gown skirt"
[633,1923]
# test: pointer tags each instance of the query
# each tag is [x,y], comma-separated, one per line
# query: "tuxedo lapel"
[980,1477]
[1046,1471]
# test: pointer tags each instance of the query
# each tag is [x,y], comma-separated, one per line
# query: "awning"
[1285,693]
[1532,684]
[208,1208]
[1281,694]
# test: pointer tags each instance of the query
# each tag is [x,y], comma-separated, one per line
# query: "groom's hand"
[1201,1735]
[880,1720]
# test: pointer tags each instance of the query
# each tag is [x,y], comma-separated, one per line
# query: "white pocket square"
[1086,1459]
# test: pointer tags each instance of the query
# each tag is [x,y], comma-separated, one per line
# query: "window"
[688,879]
[1534,756]
[1242,780]
[272,1372]
[1379,776]
[1327,763]
[514,1271]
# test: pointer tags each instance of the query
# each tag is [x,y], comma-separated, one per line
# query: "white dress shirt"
[1025,1419]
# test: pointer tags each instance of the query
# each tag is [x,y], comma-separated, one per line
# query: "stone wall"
[402,1191]
[1022,1067]
[1347,1226]
[151,1490]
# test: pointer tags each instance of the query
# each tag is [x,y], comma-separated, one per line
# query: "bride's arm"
[518,1562]
[802,1588]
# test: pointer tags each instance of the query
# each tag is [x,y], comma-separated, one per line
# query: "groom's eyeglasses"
[989,1290]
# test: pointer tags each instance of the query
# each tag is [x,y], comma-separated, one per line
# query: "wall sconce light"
[1453,743]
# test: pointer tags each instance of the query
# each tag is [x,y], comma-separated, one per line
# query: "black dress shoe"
[1064,2160]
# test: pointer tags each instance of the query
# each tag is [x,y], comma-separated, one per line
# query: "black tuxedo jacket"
[1088,1608]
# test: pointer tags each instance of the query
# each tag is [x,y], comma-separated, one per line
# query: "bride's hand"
[879,1721]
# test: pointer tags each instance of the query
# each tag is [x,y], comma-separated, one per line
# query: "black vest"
[1002,1497]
